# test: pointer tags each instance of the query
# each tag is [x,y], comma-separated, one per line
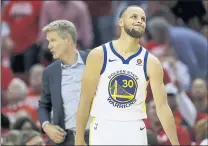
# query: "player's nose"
[139,20]
[49,46]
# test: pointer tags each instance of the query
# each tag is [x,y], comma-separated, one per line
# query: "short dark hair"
[20,122]
[125,8]
[5,123]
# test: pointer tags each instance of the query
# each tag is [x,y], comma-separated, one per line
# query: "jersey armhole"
[105,59]
[145,65]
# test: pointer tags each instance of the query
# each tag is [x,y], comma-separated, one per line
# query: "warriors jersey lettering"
[121,91]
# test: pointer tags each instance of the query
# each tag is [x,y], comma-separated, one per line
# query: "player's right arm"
[90,81]
[164,113]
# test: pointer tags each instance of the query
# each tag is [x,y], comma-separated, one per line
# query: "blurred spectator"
[161,9]
[13,137]
[22,18]
[5,31]
[177,70]
[102,21]
[151,138]
[16,94]
[6,73]
[6,77]
[172,102]
[74,11]
[199,96]
[35,80]
[204,30]
[4,3]
[190,46]
[31,137]
[46,57]
[5,124]
[154,124]
[201,130]
[7,46]
[25,123]
[182,107]
[191,12]
[166,79]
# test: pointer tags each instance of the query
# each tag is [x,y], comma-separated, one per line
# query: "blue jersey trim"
[145,65]
[125,61]
[105,59]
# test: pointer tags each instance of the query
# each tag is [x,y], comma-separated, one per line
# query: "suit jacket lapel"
[57,76]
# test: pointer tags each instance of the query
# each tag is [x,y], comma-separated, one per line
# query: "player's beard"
[133,33]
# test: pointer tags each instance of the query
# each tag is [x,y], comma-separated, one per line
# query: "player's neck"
[128,44]
[69,57]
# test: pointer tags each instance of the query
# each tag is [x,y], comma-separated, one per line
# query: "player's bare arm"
[155,73]
[90,80]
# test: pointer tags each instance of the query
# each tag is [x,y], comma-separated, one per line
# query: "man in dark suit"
[61,83]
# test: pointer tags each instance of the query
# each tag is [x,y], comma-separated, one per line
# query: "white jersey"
[121,91]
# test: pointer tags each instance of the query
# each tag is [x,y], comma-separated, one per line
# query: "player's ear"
[68,39]
[120,22]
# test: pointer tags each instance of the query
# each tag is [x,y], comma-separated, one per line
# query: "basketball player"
[116,75]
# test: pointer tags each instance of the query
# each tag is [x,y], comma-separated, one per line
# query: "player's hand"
[54,132]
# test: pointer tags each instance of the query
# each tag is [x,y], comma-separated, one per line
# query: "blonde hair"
[63,27]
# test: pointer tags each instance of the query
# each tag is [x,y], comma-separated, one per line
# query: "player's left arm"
[164,113]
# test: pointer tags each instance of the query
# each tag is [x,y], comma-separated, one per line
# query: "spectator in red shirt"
[154,124]
[35,80]
[102,20]
[199,96]
[74,11]
[17,92]
[22,18]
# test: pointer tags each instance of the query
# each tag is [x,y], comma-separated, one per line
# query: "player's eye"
[134,17]
[143,19]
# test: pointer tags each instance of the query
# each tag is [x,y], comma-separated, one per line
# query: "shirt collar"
[79,61]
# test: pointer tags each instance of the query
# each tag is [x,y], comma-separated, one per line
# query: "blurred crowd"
[176,33]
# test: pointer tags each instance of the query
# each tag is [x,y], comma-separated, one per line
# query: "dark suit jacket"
[51,94]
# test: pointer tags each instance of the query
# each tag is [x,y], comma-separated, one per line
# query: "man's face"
[14,93]
[36,80]
[199,95]
[133,22]
[57,45]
